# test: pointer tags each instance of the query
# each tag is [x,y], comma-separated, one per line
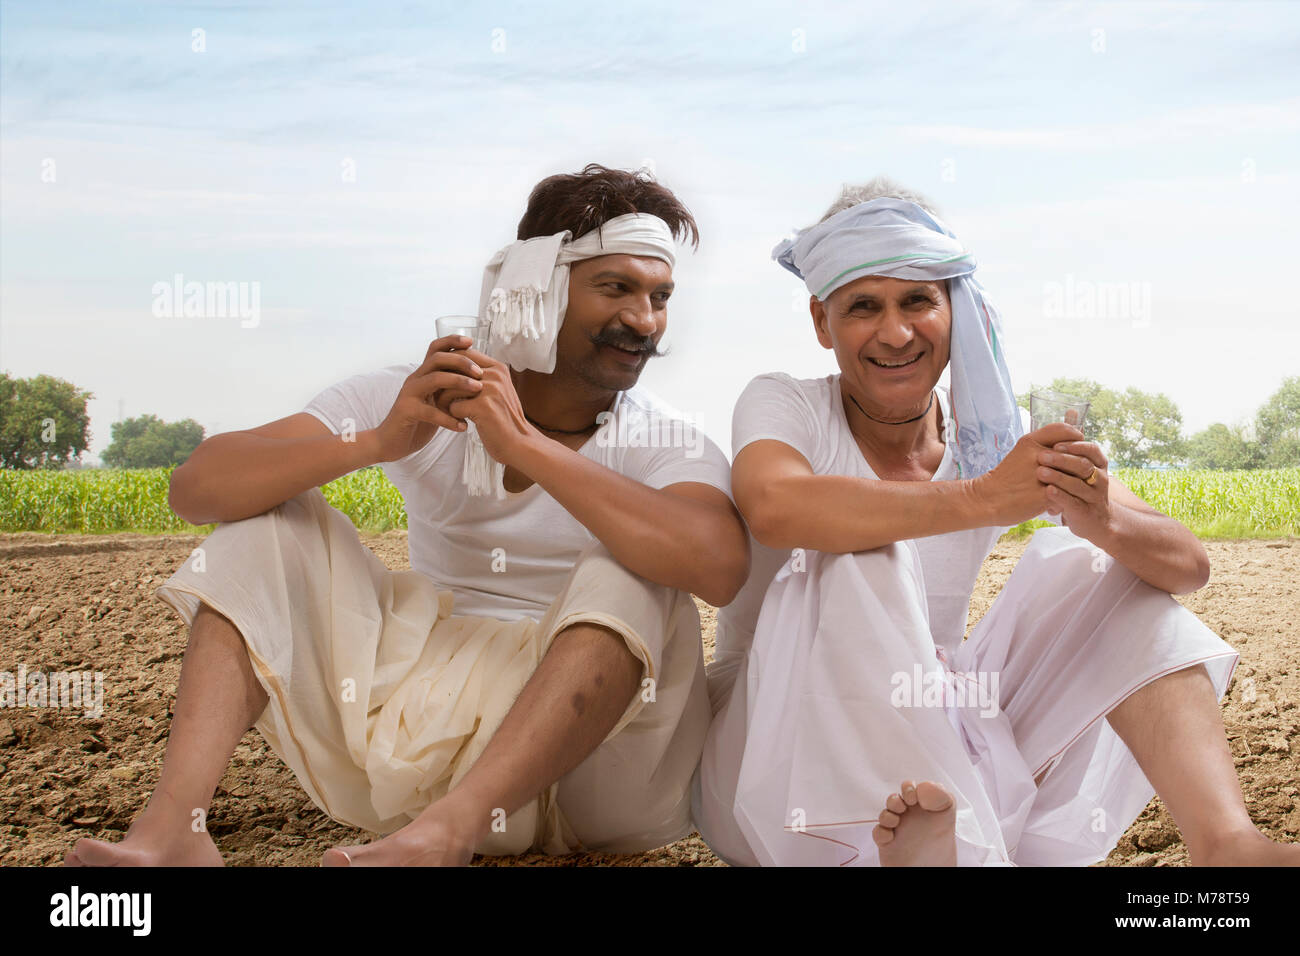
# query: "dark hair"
[582,201]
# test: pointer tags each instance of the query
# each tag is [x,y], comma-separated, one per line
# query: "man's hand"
[1016,490]
[494,408]
[415,417]
[1064,468]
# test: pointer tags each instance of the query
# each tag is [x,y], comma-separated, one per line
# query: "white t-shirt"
[808,415]
[508,559]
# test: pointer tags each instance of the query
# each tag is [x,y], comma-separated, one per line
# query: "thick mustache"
[631,344]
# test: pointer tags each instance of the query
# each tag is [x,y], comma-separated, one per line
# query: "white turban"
[524,297]
[899,239]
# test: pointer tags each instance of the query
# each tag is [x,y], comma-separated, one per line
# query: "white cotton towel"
[524,295]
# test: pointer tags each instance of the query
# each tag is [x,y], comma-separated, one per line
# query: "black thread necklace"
[874,419]
[561,431]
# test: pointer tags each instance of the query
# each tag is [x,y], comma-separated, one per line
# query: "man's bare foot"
[917,827]
[1248,848]
[434,838]
[151,840]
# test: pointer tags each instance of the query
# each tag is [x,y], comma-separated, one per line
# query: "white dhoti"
[843,695]
[380,699]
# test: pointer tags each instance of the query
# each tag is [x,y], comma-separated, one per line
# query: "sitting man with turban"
[536,682]
[852,724]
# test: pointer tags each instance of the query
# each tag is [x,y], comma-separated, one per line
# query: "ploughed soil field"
[85,603]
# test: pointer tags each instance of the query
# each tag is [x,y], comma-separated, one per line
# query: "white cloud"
[1163,128]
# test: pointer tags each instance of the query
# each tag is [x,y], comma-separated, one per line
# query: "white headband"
[526,284]
[524,297]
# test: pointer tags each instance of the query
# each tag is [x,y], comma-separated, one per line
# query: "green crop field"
[107,500]
[1263,503]
[1258,503]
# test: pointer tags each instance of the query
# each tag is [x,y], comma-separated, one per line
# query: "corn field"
[110,500]
[1260,503]
[1224,504]
[1254,503]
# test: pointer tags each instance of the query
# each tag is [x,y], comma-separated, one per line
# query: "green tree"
[1277,424]
[149,442]
[1137,429]
[1101,407]
[43,422]
[1223,446]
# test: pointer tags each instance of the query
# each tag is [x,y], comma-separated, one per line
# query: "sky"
[355,164]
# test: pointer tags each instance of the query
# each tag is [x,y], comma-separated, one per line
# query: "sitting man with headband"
[536,682]
[853,725]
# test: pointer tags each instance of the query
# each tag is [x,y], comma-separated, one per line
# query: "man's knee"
[303,511]
[612,662]
[633,792]
[590,633]
[889,570]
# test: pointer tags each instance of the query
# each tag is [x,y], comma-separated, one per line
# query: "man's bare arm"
[686,536]
[787,505]
[239,474]
[236,475]
[1160,550]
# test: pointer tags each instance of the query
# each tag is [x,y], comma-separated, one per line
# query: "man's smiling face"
[617,312]
[877,321]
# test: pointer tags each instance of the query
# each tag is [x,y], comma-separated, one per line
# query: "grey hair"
[882,187]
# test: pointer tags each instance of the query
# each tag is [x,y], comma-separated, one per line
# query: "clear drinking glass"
[1046,407]
[471,325]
